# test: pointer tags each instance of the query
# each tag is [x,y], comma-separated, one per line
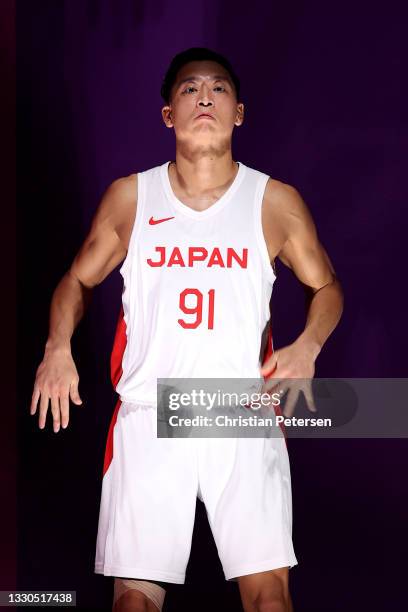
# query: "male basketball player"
[198,238]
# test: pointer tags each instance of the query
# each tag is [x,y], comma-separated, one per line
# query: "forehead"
[204,69]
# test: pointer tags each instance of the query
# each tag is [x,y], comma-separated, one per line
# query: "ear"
[239,119]
[166,114]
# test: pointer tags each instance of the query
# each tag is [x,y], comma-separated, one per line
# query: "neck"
[200,174]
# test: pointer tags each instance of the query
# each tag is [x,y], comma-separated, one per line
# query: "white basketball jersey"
[196,287]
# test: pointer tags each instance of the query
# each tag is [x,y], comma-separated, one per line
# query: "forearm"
[68,305]
[323,315]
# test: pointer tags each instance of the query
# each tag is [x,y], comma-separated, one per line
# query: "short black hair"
[195,54]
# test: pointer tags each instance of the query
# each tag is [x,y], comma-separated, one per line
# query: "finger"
[290,403]
[280,393]
[45,398]
[55,409]
[273,384]
[275,394]
[64,405]
[73,392]
[308,393]
[270,364]
[34,400]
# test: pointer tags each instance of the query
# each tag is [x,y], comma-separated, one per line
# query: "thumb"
[73,392]
[269,364]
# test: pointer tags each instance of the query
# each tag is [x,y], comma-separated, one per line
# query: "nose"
[206,102]
[204,99]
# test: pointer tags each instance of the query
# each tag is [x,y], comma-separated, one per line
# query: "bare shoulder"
[292,236]
[285,216]
[118,206]
[285,207]
[284,198]
[106,243]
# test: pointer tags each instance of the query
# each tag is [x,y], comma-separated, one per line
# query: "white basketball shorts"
[149,495]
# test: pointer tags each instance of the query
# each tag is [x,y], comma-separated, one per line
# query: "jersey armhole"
[137,223]
[260,238]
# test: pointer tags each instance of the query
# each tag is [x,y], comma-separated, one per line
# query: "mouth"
[204,116]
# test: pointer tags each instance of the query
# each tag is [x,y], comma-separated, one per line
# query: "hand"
[56,379]
[295,362]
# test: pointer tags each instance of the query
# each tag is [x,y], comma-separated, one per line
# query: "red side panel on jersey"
[118,350]
[109,443]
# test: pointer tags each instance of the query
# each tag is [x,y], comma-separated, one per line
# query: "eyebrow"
[195,78]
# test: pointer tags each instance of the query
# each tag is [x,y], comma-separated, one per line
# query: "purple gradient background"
[325,100]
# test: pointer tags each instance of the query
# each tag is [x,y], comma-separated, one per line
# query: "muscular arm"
[291,236]
[103,249]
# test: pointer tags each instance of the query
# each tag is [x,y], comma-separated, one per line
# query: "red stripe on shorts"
[118,349]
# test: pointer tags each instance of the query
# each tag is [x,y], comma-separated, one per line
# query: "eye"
[189,87]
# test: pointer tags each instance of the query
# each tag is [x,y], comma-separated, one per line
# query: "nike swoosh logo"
[155,221]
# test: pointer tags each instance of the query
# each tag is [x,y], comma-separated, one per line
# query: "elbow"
[84,286]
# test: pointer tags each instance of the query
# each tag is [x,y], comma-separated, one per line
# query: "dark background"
[323,86]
